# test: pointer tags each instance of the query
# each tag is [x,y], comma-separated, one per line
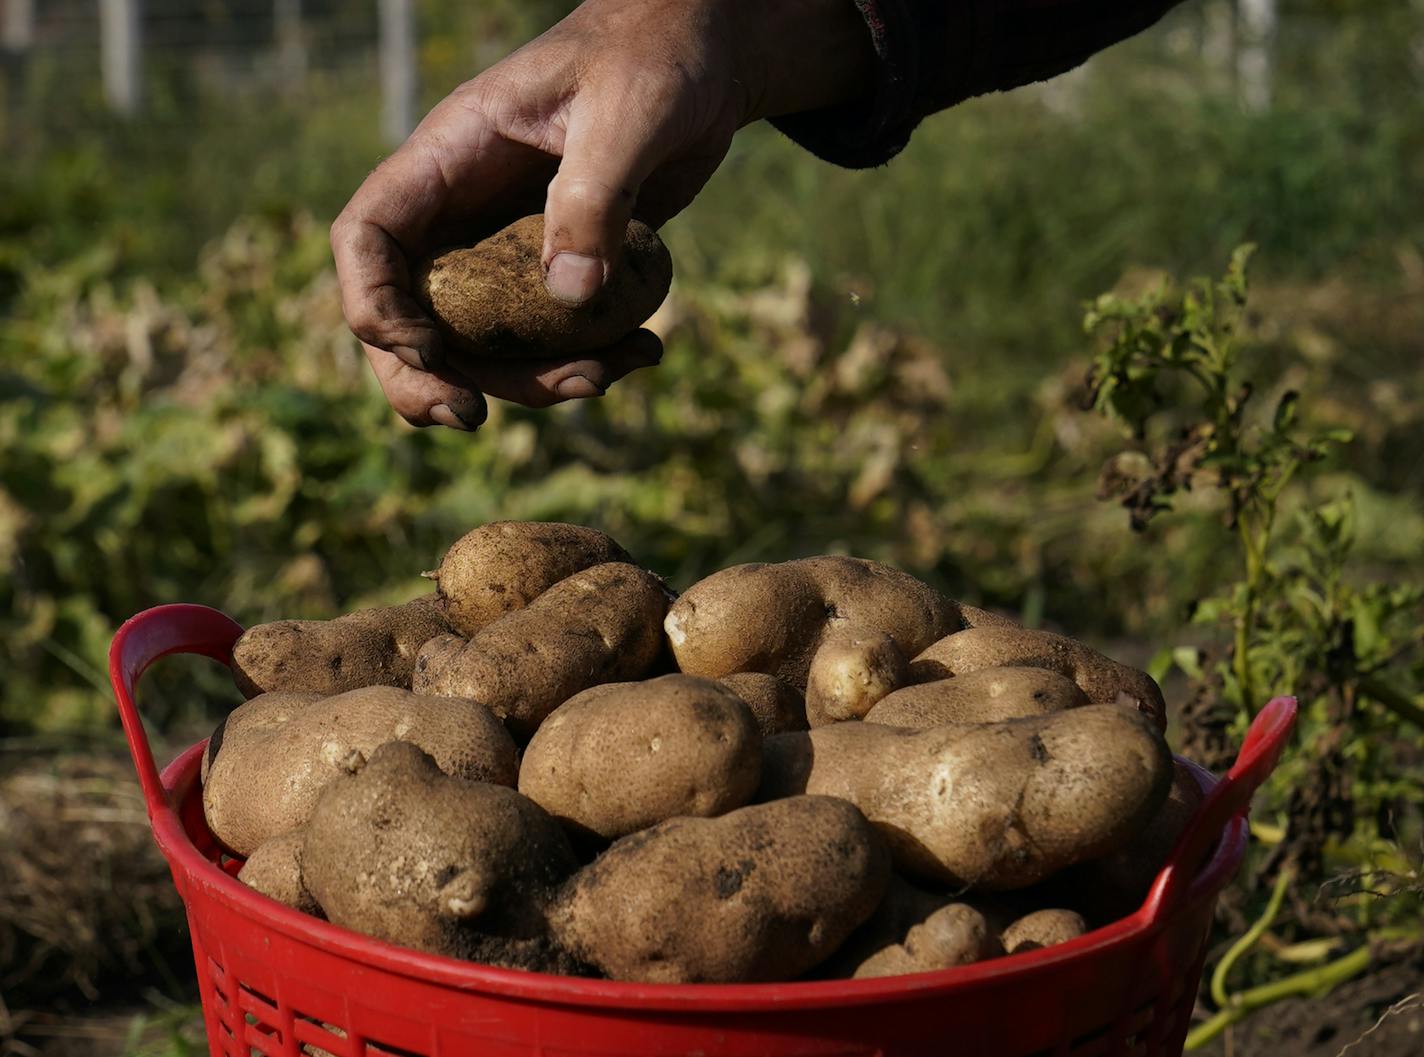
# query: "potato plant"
[1299,617]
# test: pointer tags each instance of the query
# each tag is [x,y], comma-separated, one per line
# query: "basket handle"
[145,638]
[1230,798]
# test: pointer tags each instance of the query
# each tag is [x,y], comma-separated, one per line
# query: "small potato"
[600,625]
[850,673]
[490,300]
[979,697]
[272,759]
[905,905]
[371,647]
[624,756]
[505,565]
[763,893]
[275,870]
[1104,680]
[1043,928]
[773,618]
[402,852]
[436,654]
[994,805]
[776,707]
[956,934]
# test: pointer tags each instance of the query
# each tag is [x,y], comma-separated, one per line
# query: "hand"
[625,108]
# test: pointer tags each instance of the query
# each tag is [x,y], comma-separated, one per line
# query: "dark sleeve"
[935,53]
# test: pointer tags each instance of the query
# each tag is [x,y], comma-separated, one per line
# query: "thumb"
[607,155]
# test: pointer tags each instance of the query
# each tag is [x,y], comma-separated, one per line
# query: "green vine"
[1168,372]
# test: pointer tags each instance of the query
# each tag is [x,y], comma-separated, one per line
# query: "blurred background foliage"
[888,363]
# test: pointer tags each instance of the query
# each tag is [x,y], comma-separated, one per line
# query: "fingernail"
[574,277]
[649,357]
[443,414]
[424,358]
[577,387]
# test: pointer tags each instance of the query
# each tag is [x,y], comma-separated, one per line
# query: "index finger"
[373,241]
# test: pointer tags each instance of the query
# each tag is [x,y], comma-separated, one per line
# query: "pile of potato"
[814,769]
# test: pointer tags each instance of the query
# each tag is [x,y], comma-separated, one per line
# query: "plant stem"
[1246,619]
[1317,981]
[1248,940]
[1395,700]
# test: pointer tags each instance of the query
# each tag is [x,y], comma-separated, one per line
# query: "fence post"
[17,32]
[291,44]
[121,53]
[398,74]
[1253,60]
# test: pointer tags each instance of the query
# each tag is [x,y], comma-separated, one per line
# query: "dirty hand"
[625,108]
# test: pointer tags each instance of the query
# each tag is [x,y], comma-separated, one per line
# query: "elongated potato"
[371,647]
[1115,885]
[503,566]
[985,696]
[773,618]
[490,300]
[995,805]
[624,756]
[273,759]
[403,852]
[763,893]
[600,625]
[1104,680]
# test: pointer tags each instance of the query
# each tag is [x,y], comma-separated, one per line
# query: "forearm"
[932,54]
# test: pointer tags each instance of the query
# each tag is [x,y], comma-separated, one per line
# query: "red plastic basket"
[277,982]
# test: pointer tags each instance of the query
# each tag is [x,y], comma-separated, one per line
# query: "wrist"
[795,56]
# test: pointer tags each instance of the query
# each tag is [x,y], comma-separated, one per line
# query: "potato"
[275,870]
[955,934]
[763,893]
[252,718]
[371,647]
[505,565]
[1115,885]
[773,618]
[489,300]
[882,938]
[776,707]
[994,805]
[1105,681]
[273,758]
[402,852]
[434,655]
[850,673]
[621,757]
[600,625]
[985,696]
[1043,928]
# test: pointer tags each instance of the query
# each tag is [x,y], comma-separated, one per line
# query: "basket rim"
[195,874]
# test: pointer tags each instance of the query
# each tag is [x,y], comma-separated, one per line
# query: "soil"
[1378,1015]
